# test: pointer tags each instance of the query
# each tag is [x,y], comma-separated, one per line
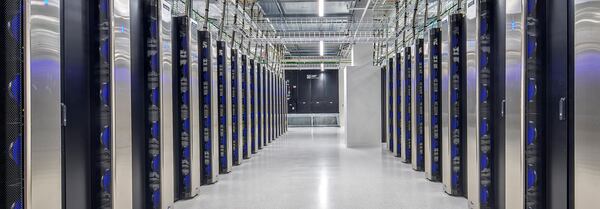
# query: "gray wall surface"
[363,101]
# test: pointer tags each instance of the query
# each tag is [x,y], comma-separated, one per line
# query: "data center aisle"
[312,168]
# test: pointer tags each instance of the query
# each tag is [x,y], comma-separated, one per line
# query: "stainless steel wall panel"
[214,74]
[122,140]
[402,112]
[229,110]
[427,104]
[586,127]
[42,140]
[195,108]
[413,108]
[246,108]
[254,106]
[472,79]
[514,104]
[167,193]
[446,159]
[393,111]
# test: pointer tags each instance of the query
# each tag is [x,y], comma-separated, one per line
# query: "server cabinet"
[264,106]
[433,108]
[585,104]
[384,106]
[236,125]
[389,108]
[398,108]
[269,102]
[484,103]
[208,95]
[417,106]
[31,105]
[245,106]
[406,92]
[454,106]
[224,104]
[260,105]
[253,107]
[186,120]
[393,112]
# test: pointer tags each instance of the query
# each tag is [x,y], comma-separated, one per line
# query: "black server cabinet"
[407,109]
[206,103]
[264,106]
[11,106]
[222,103]
[181,108]
[235,136]
[436,107]
[383,107]
[390,104]
[419,126]
[398,99]
[259,105]
[458,103]
[253,107]
[244,117]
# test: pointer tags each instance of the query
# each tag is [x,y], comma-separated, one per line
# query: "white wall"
[363,102]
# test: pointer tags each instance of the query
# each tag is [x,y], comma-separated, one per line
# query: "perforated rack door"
[11,106]
[436,107]
[408,104]
[206,107]
[457,126]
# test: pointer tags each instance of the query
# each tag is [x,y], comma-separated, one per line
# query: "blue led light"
[105,94]
[15,26]
[15,89]
[484,161]
[483,94]
[531,133]
[105,49]
[485,195]
[483,129]
[154,29]
[186,98]
[531,177]
[155,96]
[16,148]
[531,90]
[105,137]
[104,6]
[155,129]
[155,164]
[186,125]
[106,180]
[18,204]
[156,198]
[186,152]
[530,46]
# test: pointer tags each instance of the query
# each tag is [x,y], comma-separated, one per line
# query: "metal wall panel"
[427,104]
[195,108]
[42,140]
[393,87]
[402,113]
[514,104]
[122,159]
[446,159]
[586,127]
[472,79]
[228,111]
[167,193]
[214,111]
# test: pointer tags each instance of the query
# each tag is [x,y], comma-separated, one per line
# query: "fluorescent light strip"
[321,8]
[322,67]
[321,48]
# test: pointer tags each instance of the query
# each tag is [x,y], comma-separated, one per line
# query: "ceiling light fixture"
[321,48]
[322,67]
[321,8]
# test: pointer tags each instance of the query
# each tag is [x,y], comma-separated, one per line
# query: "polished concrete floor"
[312,168]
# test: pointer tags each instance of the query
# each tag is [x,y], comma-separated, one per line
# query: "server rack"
[209,113]
[260,105]
[30,137]
[186,120]
[264,106]
[398,108]
[453,105]
[433,110]
[417,108]
[272,103]
[390,107]
[224,103]
[390,67]
[245,105]
[268,103]
[406,92]
[254,117]
[236,128]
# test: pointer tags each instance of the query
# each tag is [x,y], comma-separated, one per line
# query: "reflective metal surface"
[166,104]
[240,125]
[43,142]
[229,126]
[445,103]
[214,109]
[122,140]
[586,103]
[427,104]
[402,90]
[472,140]
[514,104]
[393,121]
[195,107]
[413,105]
